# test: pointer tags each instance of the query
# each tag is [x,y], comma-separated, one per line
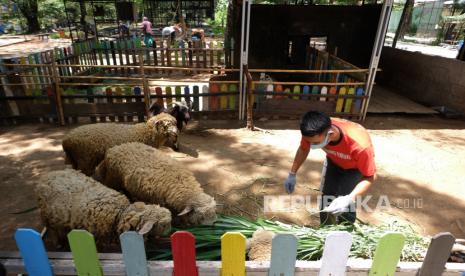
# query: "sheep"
[146,174]
[68,200]
[85,146]
[180,111]
[259,246]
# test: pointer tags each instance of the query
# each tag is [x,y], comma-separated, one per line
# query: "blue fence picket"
[32,250]
[135,260]
[283,255]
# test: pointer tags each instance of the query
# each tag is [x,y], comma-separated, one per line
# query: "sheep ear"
[100,172]
[185,211]
[146,227]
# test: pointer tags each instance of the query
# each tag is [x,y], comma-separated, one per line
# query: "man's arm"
[362,187]
[300,157]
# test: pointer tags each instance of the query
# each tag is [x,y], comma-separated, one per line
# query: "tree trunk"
[405,21]
[33,25]
[29,10]
[82,6]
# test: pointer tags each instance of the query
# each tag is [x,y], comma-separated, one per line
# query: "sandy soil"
[419,160]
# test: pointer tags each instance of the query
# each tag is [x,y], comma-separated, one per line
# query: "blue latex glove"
[289,184]
[339,205]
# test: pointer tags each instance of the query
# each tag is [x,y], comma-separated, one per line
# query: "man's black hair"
[314,123]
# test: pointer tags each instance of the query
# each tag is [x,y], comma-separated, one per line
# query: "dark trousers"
[337,182]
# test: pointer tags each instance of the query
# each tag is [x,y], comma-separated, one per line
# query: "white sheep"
[259,246]
[85,146]
[70,200]
[148,175]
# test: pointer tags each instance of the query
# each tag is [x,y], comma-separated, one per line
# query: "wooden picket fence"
[118,80]
[333,86]
[85,260]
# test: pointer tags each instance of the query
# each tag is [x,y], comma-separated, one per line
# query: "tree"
[29,9]
[404,23]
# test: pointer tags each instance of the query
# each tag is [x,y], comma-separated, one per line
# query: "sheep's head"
[180,111]
[145,219]
[164,130]
[201,209]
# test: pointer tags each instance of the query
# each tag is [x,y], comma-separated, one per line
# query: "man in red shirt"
[349,169]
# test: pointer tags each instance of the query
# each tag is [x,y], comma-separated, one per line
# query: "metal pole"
[376,54]
[241,74]
[245,51]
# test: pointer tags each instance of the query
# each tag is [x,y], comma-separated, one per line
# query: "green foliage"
[221,12]
[51,11]
[310,240]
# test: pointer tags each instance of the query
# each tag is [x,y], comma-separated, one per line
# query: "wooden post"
[56,79]
[145,84]
[250,125]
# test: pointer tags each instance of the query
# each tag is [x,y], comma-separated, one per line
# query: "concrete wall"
[430,80]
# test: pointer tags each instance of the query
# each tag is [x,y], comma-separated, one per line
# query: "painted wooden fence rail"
[85,260]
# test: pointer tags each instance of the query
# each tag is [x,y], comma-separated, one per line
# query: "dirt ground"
[420,162]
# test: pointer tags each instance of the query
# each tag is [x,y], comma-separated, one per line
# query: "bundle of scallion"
[310,241]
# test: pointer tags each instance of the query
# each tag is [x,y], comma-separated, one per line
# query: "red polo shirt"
[354,151]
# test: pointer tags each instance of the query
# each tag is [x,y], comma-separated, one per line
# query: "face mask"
[322,144]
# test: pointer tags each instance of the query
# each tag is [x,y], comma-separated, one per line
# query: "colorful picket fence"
[85,260]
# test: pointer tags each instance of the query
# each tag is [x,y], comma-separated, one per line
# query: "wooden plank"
[183,250]
[205,100]
[296,90]
[348,103]
[176,53]
[177,91]
[117,109]
[233,98]
[138,92]
[159,92]
[211,54]
[169,100]
[332,91]
[214,102]
[283,255]
[119,92]
[120,55]
[269,88]
[335,254]
[437,255]
[340,102]
[135,260]
[232,254]
[210,268]
[387,254]
[324,91]
[204,58]
[279,88]
[196,103]
[155,61]
[84,252]
[357,105]
[33,252]
[292,107]
[187,97]
[223,99]
[109,93]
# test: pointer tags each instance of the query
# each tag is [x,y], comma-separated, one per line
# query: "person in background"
[123,29]
[147,32]
[171,32]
